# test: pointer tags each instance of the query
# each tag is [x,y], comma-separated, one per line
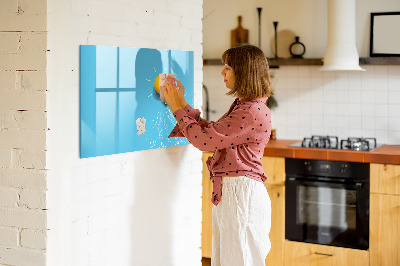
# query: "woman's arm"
[180,102]
[233,130]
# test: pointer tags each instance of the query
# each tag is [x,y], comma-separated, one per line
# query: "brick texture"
[8,197]
[33,239]
[9,237]
[33,199]
[23,218]
[95,197]
[123,206]
[17,256]
[23,126]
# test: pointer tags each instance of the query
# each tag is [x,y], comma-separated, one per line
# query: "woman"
[242,211]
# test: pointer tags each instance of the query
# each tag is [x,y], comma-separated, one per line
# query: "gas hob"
[332,142]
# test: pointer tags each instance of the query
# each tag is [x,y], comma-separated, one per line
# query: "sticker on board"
[120,110]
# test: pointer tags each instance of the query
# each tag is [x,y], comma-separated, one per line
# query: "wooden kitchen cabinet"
[384,236]
[385,178]
[305,254]
[206,225]
[274,168]
[385,215]
[277,233]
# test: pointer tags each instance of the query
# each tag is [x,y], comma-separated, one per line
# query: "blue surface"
[117,88]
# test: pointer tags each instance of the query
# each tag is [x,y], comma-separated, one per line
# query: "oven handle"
[357,185]
[324,254]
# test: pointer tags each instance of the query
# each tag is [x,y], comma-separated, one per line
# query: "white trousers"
[241,223]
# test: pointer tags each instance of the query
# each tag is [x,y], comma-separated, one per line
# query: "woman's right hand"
[181,91]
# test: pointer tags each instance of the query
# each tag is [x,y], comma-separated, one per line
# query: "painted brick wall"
[23,132]
[140,208]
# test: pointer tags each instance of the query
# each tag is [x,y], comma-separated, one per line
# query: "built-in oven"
[327,202]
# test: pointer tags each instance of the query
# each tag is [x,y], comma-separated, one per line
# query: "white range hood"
[341,51]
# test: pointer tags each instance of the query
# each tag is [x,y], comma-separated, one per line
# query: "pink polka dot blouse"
[238,139]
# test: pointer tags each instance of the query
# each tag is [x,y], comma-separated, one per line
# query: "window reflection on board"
[120,111]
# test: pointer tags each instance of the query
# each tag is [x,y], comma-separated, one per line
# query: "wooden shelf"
[380,61]
[274,63]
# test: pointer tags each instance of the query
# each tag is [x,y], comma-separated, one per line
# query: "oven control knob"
[308,166]
[343,168]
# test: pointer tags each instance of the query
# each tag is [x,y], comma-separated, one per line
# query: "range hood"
[341,51]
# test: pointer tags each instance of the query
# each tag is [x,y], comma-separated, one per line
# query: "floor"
[206,261]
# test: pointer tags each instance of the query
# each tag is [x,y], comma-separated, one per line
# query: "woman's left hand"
[171,96]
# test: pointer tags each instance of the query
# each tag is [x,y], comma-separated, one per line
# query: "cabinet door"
[384,230]
[304,254]
[274,168]
[206,226]
[277,233]
[385,178]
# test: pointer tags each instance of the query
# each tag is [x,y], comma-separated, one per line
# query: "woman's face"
[229,76]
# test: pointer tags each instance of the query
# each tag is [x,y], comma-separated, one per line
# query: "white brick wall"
[9,237]
[112,210]
[11,256]
[33,239]
[140,208]
[23,132]
[8,197]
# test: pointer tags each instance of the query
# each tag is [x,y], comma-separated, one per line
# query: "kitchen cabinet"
[385,230]
[385,178]
[305,254]
[385,215]
[206,225]
[277,233]
[274,168]
[384,221]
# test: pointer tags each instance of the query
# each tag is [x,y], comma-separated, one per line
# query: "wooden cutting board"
[239,35]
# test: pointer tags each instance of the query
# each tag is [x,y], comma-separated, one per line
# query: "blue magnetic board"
[120,111]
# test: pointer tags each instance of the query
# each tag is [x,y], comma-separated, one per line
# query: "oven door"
[327,213]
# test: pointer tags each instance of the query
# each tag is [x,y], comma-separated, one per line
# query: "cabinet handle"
[324,254]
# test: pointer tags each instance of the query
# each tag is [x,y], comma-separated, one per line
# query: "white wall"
[306,19]
[140,208]
[311,102]
[343,104]
[23,133]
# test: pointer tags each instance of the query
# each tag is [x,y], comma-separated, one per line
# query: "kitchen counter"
[389,154]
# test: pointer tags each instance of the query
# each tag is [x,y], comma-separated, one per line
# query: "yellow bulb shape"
[157,84]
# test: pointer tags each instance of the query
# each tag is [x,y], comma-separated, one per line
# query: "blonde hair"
[250,66]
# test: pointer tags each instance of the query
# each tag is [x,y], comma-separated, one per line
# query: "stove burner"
[358,144]
[332,142]
[328,142]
